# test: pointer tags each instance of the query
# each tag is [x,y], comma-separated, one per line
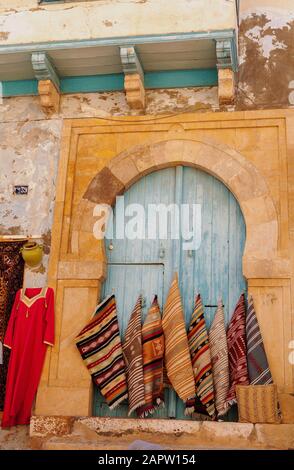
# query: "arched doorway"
[213,266]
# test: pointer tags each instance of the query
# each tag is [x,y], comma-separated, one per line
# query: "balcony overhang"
[97,65]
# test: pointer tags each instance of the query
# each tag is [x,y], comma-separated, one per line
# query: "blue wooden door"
[212,266]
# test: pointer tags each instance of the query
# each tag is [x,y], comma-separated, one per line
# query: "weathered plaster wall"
[25,22]
[266,54]
[30,147]
[28,155]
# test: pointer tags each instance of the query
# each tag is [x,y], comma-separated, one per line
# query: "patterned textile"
[100,347]
[11,279]
[166,381]
[200,413]
[153,353]
[220,361]
[258,404]
[133,354]
[201,359]
[236,338]
[177,354]
[258,369]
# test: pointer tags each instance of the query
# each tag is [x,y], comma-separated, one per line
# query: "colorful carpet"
[100,346]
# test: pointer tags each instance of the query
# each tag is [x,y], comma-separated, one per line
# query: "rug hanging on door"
[236,337]
[177,354]
[220,360]
[101,350]
[133,354]
[11,279]
[258,368]
[153,354]
[201,358]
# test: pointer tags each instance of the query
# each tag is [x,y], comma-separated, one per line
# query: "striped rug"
[100,347]
[258,368]
[220,360]
[132,349]
[177,354]
[153,354]
[201,359]
[236,338]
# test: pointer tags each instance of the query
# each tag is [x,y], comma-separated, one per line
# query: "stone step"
[118,433]
[73,442]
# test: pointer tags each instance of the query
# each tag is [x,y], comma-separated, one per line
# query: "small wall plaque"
[20,190]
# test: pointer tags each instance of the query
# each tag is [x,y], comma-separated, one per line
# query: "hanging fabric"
[220,360]
[100,346]
[153,355]
[133,354]
[166,381]
[236,338]
[201,358]
[177,354]
[30,330]
[258,368]
[11,279]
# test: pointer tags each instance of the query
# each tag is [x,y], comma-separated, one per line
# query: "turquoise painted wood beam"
[19,88]
[93,83]
[121,41]
[115,82]
[225,53]
[130,61]
[181,78]
[44,68]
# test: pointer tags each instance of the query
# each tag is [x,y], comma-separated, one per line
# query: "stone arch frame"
[261,254]
[78,262]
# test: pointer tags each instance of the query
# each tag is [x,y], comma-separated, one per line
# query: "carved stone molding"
[134,78]
[226,86]
[49,96]
[135,91]
[48,79]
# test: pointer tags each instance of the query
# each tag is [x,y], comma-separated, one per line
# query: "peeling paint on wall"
[30,146]
[266,57]
[29,155]
[157,102]
[112,104]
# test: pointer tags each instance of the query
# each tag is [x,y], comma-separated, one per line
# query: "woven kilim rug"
[219,359]
[201,358]
[101,350]
[133,354]
[153,355]
[177,354]
[236,338]
[258,368]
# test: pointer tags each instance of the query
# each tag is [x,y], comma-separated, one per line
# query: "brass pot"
[32,254]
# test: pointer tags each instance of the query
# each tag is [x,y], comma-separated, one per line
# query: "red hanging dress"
[30,330]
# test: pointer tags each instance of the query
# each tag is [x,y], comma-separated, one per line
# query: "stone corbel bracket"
[225,67]
[134,77]
[48,82]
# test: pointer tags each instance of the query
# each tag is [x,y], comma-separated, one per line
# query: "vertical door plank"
[219,247]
